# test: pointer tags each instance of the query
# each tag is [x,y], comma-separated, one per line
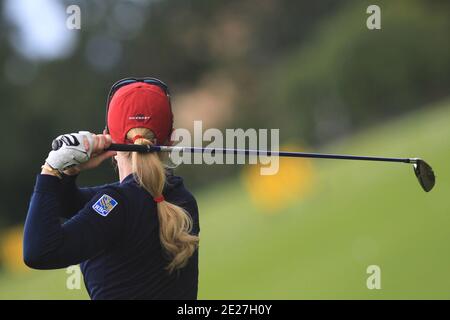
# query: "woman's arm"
[48,244]
[75,198]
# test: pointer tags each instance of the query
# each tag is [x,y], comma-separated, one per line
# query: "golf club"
[422,170]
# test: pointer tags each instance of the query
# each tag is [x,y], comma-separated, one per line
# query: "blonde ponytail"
[175,224]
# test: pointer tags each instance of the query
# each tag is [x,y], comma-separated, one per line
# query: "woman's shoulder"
[112,189]
[175,184]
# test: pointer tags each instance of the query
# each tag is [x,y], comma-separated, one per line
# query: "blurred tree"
[347,77]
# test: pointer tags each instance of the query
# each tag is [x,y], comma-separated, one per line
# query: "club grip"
[131,148]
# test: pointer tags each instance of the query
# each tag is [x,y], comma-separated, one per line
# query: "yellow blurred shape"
[11,250]
[274,192]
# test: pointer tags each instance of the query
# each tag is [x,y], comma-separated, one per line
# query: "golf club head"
[424,174]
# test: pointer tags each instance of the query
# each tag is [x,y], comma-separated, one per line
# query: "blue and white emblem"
[104,205]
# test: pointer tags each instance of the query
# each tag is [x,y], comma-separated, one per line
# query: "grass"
[358,214]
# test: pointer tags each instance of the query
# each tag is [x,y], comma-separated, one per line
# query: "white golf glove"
[70,150]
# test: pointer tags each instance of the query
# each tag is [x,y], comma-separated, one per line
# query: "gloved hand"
[70,150]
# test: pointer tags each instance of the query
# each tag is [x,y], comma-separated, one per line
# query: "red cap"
[140,105]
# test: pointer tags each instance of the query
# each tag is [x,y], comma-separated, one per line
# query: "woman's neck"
[124,171]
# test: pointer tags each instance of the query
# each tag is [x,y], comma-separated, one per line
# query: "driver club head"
[424,174]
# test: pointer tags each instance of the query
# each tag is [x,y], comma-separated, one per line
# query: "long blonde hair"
[175,224]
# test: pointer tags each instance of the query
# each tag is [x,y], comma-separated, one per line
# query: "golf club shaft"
[148,148]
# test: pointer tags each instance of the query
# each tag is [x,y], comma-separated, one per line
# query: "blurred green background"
[310,68]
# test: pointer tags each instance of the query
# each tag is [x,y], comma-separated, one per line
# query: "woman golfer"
[134,239]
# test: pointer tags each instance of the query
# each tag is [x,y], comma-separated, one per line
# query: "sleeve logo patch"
[104,205]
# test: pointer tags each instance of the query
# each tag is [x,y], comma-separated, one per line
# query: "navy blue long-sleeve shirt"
[112,231]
